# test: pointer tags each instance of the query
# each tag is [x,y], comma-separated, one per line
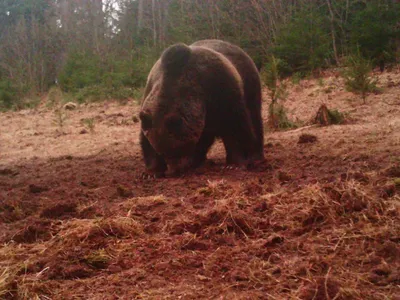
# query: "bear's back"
[240,59]
[244,65]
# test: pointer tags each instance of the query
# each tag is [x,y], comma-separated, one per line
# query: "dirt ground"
[319,220]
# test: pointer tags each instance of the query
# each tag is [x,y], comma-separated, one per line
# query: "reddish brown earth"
[319,220]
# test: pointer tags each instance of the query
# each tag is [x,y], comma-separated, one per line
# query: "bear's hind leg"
[234,154]
[204,144]
[254,108]
[155,163]
[239,138]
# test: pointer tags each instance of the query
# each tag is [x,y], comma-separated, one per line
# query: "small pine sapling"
[89,123]
[59,118]
[277,91]
[357,76]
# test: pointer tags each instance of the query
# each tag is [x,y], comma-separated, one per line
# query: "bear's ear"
[175,58]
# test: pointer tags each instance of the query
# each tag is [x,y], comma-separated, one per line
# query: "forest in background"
[93,49]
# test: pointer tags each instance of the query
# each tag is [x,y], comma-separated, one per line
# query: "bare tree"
[140,15]
[333,33]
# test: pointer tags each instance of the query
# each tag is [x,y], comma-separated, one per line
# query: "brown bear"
[195,94]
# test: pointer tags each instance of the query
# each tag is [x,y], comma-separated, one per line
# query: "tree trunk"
[163,24]
[140,16]
[332,19]
[98,23]
[154,17]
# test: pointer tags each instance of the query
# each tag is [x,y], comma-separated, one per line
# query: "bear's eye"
[174,124]
[147,122]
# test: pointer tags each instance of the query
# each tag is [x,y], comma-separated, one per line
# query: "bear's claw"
[146,176]
[151,176]
[230,167]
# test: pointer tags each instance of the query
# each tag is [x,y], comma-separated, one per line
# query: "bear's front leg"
[155,163]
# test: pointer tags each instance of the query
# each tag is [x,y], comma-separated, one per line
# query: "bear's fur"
[195,94]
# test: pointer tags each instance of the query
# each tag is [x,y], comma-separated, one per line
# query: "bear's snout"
[146,119]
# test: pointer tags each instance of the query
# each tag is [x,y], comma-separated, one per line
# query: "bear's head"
[173,110]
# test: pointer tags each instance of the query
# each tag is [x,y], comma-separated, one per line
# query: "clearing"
[320,220]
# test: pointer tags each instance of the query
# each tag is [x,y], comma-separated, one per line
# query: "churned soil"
[320,219]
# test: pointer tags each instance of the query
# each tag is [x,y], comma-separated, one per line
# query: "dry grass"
[6,278]
[319,221]
[120,227]
[323,241]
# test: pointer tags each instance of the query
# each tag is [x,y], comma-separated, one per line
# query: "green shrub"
[91,79]
[335,116]
[81,70]
[357,76]
[100,92]
[137,94]
[12,97]
[278,119]
[28,102]
[297,77]
[8,95]
[373,31]
[303,43]
[141,66]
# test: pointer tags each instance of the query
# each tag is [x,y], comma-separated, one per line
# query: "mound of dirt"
[58,211]
[307,138]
